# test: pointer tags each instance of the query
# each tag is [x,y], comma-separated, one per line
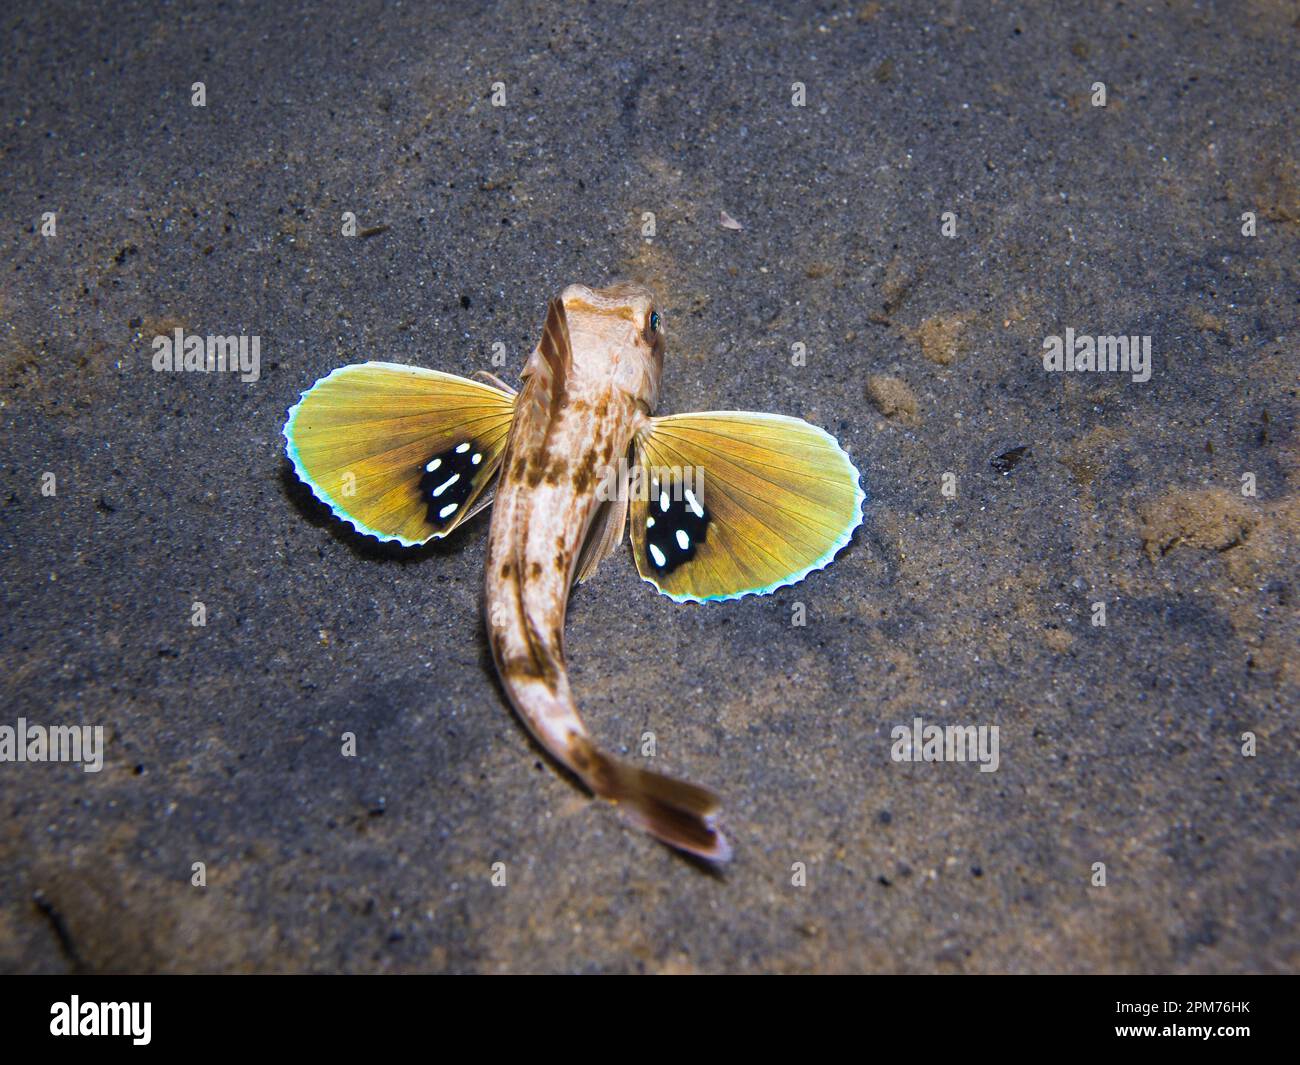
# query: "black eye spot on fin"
[677,522]
[447,480]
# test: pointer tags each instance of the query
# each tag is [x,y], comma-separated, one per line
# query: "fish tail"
[677,813]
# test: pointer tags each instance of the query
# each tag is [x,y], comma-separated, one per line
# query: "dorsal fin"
[555,344]
[551,360]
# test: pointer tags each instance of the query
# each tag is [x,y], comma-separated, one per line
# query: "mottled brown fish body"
[588,387]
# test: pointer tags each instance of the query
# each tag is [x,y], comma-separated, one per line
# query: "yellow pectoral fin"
[400,452]
[729,503]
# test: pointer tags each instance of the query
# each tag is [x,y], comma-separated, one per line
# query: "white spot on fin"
[658,556]
[683,541]
[447,510]
[446,484]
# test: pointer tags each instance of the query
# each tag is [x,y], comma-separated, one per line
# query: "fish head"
[617,331]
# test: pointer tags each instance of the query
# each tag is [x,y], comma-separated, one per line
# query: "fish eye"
[654,321]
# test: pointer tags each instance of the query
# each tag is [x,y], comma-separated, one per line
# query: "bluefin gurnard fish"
[722,504]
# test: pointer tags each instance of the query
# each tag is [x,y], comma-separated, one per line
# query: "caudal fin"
[674,811]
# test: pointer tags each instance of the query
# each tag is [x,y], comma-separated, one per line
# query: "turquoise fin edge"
[291,449]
